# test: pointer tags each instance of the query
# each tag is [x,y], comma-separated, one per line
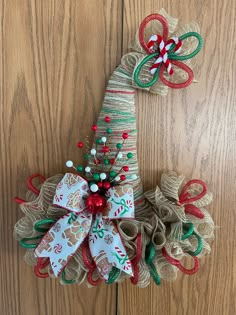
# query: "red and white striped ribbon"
[156,43]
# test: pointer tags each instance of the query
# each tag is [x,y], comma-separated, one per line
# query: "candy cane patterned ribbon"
[65,237]
[156,43]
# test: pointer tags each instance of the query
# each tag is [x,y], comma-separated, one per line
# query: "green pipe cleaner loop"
[38,225]
[63,277]
[154,274]
[149,256]
[171,55]
[24,242]
[174,56]
[199,248]
[139,67]
[150,253]
[189,231]
[113,275]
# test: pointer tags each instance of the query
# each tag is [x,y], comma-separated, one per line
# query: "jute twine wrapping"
[164,200]
[150,218]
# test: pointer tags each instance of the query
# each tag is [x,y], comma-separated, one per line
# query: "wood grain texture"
[55,59]
[192,131]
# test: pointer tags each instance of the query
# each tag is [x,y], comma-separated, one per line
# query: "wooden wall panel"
[192,131]
[56,57]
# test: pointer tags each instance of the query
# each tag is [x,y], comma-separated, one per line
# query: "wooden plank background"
[55,59]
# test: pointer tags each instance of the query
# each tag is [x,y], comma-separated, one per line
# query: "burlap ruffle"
[164,200]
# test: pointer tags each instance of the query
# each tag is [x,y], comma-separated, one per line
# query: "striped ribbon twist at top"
[156,43]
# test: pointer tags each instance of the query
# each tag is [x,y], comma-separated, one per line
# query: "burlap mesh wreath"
[165,227]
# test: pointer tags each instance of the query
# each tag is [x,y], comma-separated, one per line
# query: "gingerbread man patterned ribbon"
[89,215]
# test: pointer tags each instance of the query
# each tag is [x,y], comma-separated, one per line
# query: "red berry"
[80,145]
[107,119]
[94,127]
[105,149]
[122,177]
[100,184]
[125,168]
[97,161]
[112,161]
[125,135]
[106,185]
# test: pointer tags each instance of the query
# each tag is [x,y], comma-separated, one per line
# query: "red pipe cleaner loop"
[41,264]
[31,187]
[177,263]
[30,182]
[181,85]
[144,23]
[135,261]
[185,198]
[19,201]
[90,278]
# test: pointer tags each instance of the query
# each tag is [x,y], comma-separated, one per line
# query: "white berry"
[103,176]
[69,164]
[117,178]
[94,187]
[87,169]
[104,139]
[93,151]
[120,155]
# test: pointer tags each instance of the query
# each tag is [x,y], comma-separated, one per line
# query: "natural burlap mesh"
[164,201]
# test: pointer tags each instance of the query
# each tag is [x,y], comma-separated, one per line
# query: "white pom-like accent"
[93,151]
[103,176]
[117,178]
[87,169]
[94,187]
[120,155]
[69,164]
[104,139]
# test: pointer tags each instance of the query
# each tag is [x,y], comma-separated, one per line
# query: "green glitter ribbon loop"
[139,68]
[174,56]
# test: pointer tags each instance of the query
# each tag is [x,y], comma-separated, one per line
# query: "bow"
[82,221]
[163,53]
